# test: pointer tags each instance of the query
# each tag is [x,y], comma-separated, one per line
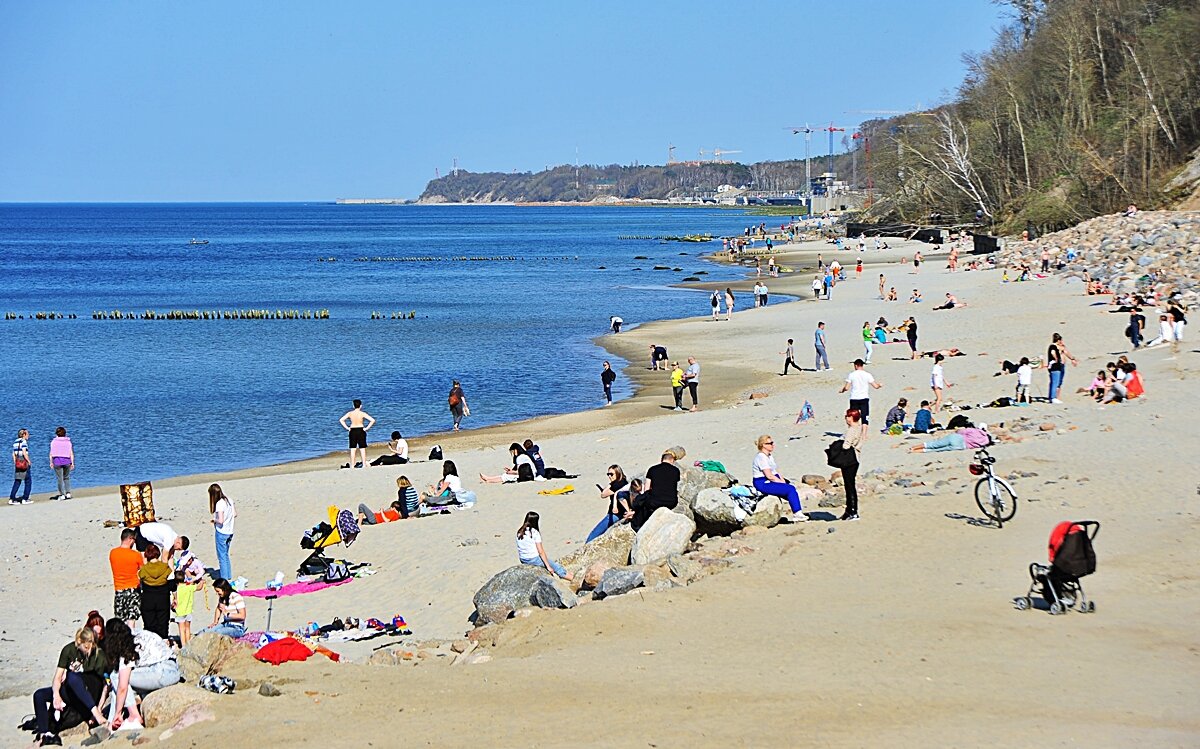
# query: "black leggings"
[80,691]
[389,460]
[848,477]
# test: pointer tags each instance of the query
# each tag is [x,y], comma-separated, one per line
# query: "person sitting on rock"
[617,494]
[768,480]
[660,489]
[530,551]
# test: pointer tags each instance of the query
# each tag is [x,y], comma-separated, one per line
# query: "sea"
[507,299]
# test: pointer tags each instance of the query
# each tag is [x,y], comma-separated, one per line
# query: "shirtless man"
[357,421]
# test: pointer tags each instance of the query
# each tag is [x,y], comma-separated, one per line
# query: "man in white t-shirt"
[859,383]
[161,535]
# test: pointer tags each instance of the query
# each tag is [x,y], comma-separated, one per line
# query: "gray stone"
[693,480]
[687,570]
[768,512]
[716,513]
[664,534]
[612,547]
[506,592]
[553,593]
[203,655]
[620,580]
[267,689]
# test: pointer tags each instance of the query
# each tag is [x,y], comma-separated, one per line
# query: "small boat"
[198,241]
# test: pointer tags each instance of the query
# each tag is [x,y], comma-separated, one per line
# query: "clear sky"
[296,100]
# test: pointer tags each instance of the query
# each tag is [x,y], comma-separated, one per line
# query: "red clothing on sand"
[1059,534]
[283,650]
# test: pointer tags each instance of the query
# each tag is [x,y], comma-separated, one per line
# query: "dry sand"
[896,630]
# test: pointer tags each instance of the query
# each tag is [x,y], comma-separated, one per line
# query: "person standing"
[911,331]
[882,282]
[856,434]
[677,385]
[762,293]
[715,301]
[757,294]
[1056,356]
[692,378]
[357,421]
[828,282]
[728,303]
[223,515]
[157,584]
[937,381]
[607,378]
[62,460]
[1178,314]
[858,266]
[789,357]
[818,286]
[21,468]
[457,401]
[917,258]
[868,339]
[819,345]
[859,383]
[1137,325]
[125,561]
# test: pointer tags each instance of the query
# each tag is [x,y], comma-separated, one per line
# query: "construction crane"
[670,153]
[874,111]
[718,153]
[832,129]
[808,131]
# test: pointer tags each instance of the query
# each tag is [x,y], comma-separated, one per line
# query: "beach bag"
[558,473]
[454,398]
[21,463]
[837,455]
[465,497]
[435,453]
[336,572]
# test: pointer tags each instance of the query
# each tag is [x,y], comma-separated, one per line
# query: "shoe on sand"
[798,517]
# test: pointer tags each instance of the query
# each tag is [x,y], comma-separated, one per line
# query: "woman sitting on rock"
[78,682]
[230,616]
[768,480]
[123,656]
[530,551]
[617,494]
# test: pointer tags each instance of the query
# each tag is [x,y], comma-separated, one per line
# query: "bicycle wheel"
[1001,507]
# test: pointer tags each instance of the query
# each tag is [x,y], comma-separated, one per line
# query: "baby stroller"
[1071,558]
[342,528]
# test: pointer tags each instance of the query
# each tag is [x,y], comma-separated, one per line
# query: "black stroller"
[1071,558]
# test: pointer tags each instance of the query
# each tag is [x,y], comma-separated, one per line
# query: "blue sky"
[294,100]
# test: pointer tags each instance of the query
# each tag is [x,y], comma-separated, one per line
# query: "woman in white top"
[523,468]
[223,514]
[230,617]
[530,551]
[937,381]
[397,453]
[768,479]
[447,490]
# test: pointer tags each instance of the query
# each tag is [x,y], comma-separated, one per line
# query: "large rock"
[716,513]
[553,593]
[613,547]
[164,706]
[686,569]
[197,713]
[620,580]
[506,592]
[664,534]
[594,571]
[203,655]
[768,512]
[694,480]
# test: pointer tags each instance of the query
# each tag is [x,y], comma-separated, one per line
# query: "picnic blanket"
[294,589]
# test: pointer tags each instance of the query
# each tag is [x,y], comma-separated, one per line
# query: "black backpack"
[436,453]
[1075,558]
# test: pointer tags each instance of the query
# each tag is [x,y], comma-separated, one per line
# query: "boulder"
[612,547]
[685,569]
[664,534]
[816,481]
[595,571]
[693,480]
[203,655]
[809,493]
[506,592]
[716,513]
[677,451]
[768,512]
[164,706]
[658,576]
[620,580]
[194,714]
[553,593]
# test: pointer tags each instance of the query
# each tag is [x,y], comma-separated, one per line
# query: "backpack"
[454,398]
[837,455]
[336,572]
[436,453]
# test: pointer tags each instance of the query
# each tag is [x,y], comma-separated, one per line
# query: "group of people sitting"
[1118,381]
[527,465]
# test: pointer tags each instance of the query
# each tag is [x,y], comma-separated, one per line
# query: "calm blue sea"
[148,399]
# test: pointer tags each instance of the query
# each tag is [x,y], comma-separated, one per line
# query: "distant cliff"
[599,183]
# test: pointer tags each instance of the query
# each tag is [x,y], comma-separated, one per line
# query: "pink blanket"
[293,589]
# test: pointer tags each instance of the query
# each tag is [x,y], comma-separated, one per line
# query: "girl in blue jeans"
[1055,362]
[223,514]
[530,551]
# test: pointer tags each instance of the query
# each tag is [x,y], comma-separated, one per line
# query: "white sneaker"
[68,496]
[1056,400]
[799,517]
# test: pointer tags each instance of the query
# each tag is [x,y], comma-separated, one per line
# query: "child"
[923,423]
[189,575]
[895,417]
[1098,386]
[1024,378]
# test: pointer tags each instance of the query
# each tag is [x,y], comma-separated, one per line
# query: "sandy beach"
[896,630]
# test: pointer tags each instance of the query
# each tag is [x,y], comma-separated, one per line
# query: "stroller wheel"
[1057,608]
[1021,603]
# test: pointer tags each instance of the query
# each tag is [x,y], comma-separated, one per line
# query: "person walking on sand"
[859,383]
[692,378]
[911,331]
[868,338]
[62,460]
[715,301]
[1056,356]
[789,358]
[357,421]
[937,381]
[819,345]
[917,258]
[677,385]
[728,303]
[21,468]
[607,378]
[818,285]
[827,282]
[457,401]
[223,513]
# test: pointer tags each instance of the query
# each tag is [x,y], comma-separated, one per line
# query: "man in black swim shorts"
[357,421]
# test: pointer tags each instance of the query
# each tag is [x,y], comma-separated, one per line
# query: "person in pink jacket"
[62,460]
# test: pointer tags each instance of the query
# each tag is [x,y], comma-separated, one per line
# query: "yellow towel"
[555,492]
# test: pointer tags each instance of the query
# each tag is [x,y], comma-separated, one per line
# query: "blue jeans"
[779,489]
[822,358]
[943,444]
[223,542]
[229,629]
[1056,380]
[608,522]
[558,568]
[28,481]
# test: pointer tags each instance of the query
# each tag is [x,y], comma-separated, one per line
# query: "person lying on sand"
[967,438]
[947,352]
[367,516]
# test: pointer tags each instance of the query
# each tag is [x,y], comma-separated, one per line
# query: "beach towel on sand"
[294,589]
[561,490]
[282,651]
[715,466]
